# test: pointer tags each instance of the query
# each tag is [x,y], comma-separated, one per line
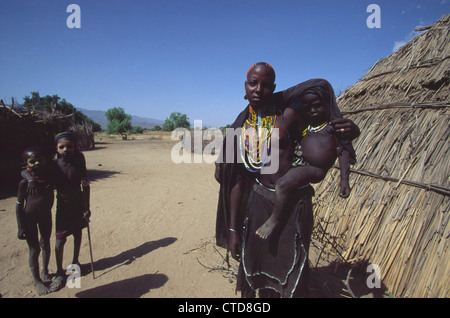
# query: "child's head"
[34,158]
[65,144]
[316,111]
[260,84]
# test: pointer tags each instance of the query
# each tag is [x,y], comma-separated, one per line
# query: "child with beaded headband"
[34,215]
[73,192]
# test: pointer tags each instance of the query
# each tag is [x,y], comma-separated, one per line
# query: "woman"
[276,266]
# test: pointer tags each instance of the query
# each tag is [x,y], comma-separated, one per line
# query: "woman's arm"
[234,235]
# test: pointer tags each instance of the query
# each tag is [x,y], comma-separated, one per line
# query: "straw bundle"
[397,215]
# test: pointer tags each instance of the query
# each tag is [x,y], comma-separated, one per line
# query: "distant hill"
[99,117]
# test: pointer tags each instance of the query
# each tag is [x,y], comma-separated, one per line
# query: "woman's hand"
[234,245]
[346,128]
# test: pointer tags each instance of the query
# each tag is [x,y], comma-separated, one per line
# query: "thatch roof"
[21,128]
[397,215]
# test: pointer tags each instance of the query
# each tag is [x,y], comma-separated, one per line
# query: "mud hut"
[397,215]
[21,128]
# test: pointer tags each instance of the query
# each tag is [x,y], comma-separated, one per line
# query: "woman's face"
[259,86]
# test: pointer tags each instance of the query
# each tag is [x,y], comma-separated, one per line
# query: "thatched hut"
[21,128]
[398,213]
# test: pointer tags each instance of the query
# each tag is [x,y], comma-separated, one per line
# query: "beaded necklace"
[314,129]
[255,141]
[44,182]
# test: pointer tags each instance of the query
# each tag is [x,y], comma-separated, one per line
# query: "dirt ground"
[152,230]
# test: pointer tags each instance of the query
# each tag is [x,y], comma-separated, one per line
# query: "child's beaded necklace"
[44,182]
[314,129]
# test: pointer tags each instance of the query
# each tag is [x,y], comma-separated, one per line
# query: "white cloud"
[409,37]
[397,45]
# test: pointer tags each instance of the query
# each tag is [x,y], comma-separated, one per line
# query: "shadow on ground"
[128,257]
[131,287]
[127,288]
[339,280]
[94,174]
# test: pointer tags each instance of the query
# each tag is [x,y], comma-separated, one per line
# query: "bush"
[176,120]
[137,130]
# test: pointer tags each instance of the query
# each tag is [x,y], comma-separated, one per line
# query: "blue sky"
[154,57]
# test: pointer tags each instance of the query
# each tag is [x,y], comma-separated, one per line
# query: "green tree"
[137,130]
[176,120]
[118,122]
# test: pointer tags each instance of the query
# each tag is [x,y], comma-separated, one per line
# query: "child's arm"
[32,185]
[20,212]
[344,166]
[85,186]
[346,130]
[86,197]
[234,239]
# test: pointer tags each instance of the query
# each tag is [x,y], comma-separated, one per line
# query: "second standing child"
[72,205]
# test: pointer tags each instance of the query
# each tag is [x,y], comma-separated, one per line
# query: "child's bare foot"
[41,289]
[45,277]
[58,283]
[267,228]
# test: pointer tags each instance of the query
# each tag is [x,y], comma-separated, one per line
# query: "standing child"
[72,208]
[33,214]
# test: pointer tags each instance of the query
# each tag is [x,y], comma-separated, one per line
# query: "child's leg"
[59,253]
[45,228]
[76,246]
[33,261]
[59,281]
[294,178]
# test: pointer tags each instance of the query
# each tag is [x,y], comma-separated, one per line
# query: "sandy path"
[152,225]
